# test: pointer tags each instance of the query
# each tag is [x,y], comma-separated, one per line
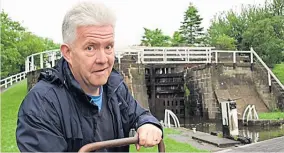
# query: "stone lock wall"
[201,101]
[211,84]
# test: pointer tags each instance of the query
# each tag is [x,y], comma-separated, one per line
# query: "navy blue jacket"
[56,114]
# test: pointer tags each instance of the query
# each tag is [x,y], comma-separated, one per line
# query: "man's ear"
[66,52]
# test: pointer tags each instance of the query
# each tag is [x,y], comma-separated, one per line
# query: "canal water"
[256,133]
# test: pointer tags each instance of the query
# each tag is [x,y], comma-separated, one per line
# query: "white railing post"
[269,79]
[234,57]
[210,55]
[32,63]
[41,60]
[52,59]
[216,57]
[6,83]
[251,57]
[11,81]
[27,64]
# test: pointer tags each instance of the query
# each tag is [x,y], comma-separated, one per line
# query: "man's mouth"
[100,70]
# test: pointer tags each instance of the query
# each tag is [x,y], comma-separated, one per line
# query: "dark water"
[255,133]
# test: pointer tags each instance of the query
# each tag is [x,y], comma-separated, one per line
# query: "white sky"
[44,17]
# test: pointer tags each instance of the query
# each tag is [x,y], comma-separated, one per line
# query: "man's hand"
[149,135]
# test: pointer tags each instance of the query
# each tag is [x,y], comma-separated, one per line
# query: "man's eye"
[90,48]
[109,47]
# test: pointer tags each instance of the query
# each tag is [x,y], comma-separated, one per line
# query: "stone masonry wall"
[237,84]
[260,77]
[211,84]
[32,78]
[201,101]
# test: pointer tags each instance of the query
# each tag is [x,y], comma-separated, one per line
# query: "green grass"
[271,115]
[10,102]
[278,70]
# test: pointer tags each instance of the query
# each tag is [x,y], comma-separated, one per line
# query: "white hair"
[86,14]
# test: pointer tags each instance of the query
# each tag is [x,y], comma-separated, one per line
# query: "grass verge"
[10,103]
[278,70]
[271,115]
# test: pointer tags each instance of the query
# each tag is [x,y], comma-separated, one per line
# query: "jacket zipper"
[111,110]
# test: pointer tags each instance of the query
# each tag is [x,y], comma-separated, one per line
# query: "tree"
[155,38]
[277,7]
[267,38]
[177,39]
[224,42]
[191,29]
[17,43]
[10,34]
[256,26]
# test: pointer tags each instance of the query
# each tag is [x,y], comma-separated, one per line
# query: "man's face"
[92,55]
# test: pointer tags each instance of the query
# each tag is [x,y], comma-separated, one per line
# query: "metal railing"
[250,113]
[167,119]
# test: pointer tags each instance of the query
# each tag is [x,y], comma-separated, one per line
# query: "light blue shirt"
[97,100]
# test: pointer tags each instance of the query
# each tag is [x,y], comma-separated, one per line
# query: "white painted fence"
[9,81]
[156,55]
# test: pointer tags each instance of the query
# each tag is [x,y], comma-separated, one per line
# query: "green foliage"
[187,92]
[278,70]
[191,29]
[224,42]
[266,36]
[155,38]
[177,39]
[17,43]
[258,27]
[10,103]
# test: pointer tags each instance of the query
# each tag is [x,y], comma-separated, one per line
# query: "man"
[83,99]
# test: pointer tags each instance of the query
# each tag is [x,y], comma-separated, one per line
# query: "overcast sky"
[44,17]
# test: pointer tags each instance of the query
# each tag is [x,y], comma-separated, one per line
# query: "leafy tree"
[155,38]
[277,7]
[17,43]
[256,26]
[177,39]
[267,38]
[10,34]
[224,42]
[191,29]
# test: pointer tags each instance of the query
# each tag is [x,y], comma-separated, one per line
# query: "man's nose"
[101,56]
